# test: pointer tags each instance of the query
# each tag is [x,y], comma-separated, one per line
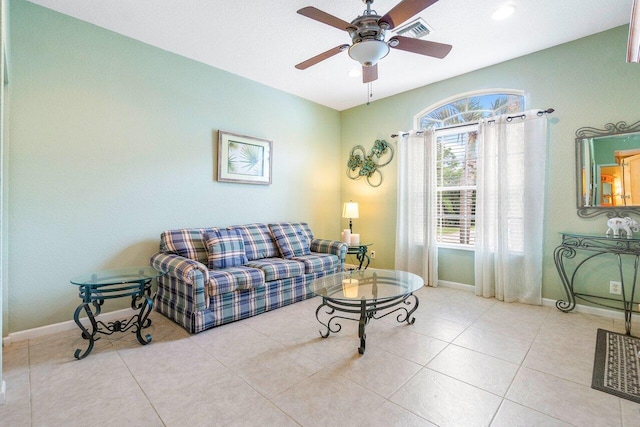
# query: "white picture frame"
[244,159]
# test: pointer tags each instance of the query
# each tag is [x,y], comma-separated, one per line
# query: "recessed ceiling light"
[355,72]
[503,12]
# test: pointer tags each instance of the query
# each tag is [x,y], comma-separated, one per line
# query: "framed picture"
[243,159]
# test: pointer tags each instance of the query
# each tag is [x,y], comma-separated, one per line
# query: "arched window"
[471,108]
[456,124]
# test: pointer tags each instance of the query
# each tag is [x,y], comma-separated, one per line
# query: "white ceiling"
[262,40]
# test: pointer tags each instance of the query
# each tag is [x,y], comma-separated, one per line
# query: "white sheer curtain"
[510,208]
[633,45]
[416,250]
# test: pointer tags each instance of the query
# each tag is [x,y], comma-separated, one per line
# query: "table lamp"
[350,211]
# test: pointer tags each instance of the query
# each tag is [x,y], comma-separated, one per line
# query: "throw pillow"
[226,249]
[291,241]
[258,241]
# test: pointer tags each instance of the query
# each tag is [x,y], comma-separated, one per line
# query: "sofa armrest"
[184,269]
[182,290]
[334,247]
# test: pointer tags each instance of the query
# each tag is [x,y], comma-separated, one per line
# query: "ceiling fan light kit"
[369,52]
[367,31]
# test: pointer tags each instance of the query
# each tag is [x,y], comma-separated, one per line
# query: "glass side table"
[360,251]
[96,287]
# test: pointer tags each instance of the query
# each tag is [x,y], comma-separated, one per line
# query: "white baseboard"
[64,326]
[456,285]
[596,311]
[127,313]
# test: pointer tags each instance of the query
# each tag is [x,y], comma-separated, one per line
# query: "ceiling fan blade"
[369,74]
[324,55]
[405,10]
[324,17]
[423,47]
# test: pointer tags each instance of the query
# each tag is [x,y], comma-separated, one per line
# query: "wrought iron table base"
[361,256]
[367,309]
[360,251]
[595,247]
[92,296]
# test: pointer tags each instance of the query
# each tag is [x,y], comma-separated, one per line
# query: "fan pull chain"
[369,92]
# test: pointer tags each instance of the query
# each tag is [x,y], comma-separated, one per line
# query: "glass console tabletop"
[370,294]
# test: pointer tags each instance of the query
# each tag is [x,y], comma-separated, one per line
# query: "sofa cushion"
[226,249]
[233,278]
[186,242]
[278,268]
[258,242]
[315,262]
[290,239]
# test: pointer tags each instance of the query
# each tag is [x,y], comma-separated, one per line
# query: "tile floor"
[467,361]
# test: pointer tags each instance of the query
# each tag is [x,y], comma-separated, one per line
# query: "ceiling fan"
[367,33]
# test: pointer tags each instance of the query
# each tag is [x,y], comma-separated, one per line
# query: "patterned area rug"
[617,365]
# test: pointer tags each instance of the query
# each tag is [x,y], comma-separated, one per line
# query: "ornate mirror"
[608,170]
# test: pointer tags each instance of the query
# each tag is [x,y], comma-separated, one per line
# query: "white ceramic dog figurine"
[626,224]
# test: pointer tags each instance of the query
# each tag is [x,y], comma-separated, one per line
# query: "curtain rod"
[509,118]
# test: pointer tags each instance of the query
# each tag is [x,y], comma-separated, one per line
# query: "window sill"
[454,246]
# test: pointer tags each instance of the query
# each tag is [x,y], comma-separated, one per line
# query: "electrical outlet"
[373,254]
[615,287]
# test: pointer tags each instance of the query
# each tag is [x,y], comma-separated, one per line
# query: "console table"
[596,247]
[94,288]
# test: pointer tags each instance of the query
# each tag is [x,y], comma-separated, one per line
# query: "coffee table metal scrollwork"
[370,293]
[95,288]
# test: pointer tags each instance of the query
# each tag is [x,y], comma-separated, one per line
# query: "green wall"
[3,129]
[587,82]
[113,141]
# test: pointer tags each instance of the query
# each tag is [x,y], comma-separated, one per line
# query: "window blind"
[456,160]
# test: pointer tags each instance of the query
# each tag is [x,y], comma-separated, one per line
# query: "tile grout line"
[235,374]
[30,384]
[155,410]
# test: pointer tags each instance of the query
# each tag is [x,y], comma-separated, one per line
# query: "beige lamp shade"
[350,210]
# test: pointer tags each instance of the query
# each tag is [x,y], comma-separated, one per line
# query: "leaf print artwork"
[245,159]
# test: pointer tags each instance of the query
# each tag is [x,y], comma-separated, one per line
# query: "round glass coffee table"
[370,293]
[96,287]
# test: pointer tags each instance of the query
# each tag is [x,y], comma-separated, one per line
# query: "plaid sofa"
[216,275]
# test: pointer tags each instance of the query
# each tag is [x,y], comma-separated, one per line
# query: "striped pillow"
[226,249]
[291,240]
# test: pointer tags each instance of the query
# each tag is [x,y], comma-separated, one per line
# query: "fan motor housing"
[367,27]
